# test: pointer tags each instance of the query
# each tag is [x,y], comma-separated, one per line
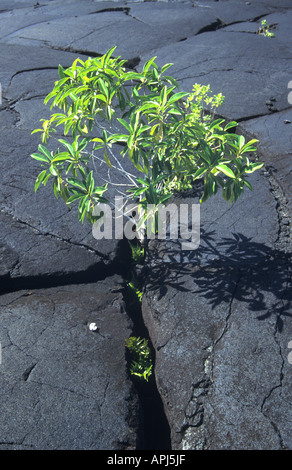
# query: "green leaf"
[62,157]
[216,124]
[45,151]
[230,125]
[133,76]
[142,181]
[199,173]
[100,189]
[106,159]
[248,147]
[145,161]
[82,145]
[117,138]
[104,136]
[125,124]
[165,67]
[151,105]
[136,192]
[109,53]
[148,65]
[90,182]
[143,129]
[248,185]
[49,96]
[253,167]
[75,182]
[74,197]
[38,156]
[61,71]
[59,83]
[241,141]
[226,192]
[163,95]
[226,170]
[68,146]
[103,87]
[170,80]
[39,179]
[53,170]
[177,96]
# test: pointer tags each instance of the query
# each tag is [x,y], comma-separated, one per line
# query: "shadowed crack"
[111,9]
[268,395]
[233,296]
[218,24]
[27,372]
[255,116]
[125,10]
[130,63]
[34,69]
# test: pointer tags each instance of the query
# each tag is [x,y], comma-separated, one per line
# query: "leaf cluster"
[264,29]
[171,138]
[135,291]
[137,252]
[141,364]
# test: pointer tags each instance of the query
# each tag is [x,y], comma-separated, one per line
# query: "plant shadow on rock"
[255,268]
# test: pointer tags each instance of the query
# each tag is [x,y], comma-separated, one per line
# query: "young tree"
[171,138]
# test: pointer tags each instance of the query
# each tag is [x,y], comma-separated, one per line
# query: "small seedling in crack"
[264,30]
[141,364]
[135,289]
[137,252]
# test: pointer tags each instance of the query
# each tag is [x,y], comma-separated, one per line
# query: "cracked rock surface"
[219,317]
[62,385]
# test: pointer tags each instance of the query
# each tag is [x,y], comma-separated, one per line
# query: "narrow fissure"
[130,63]
[111,9]
[218,24]
[155,430]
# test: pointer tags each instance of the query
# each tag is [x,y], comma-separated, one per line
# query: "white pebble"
[93,326]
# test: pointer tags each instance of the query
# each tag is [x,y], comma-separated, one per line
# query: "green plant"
[141,363]
[264,30]
[136,293]
[171,138]
[137,252]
